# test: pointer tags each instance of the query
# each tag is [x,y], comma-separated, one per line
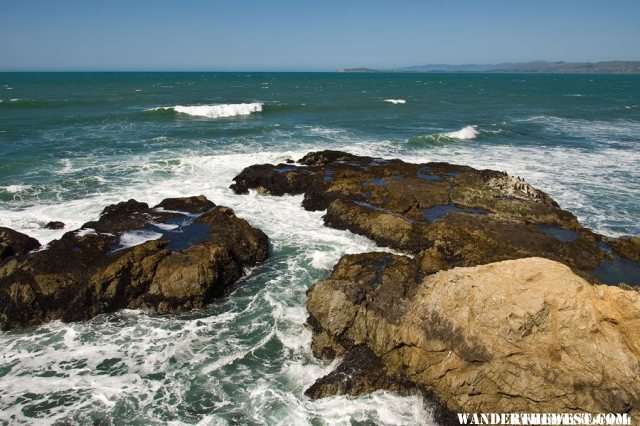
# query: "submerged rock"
[54,225]
[170,258]
[628,247]
[525,335]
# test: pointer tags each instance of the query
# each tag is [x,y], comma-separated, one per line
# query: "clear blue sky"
[310,35]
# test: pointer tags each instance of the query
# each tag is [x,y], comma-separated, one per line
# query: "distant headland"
[605,67]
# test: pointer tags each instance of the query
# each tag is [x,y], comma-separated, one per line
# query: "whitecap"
[15,188]
[216,111]
[396,101]
[323,131]
[469,132]
[600,130]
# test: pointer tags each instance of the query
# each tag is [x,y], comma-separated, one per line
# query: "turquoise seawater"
[71,143]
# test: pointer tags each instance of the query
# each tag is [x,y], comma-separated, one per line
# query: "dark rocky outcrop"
[446,215]
[13,243]
[192,251]
[198,204]
[54,225]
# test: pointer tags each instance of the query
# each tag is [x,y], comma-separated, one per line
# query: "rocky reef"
[172,257]
[498,306]
[446,215]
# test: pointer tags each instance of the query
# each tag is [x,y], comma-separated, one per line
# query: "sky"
[320,35]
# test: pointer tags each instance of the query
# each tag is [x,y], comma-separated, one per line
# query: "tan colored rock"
[193,276]
[523,335]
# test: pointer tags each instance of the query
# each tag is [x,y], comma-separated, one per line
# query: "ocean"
[72,143]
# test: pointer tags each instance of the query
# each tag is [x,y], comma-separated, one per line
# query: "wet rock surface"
[173,257]
[54,225]
[497,308]
[447,215]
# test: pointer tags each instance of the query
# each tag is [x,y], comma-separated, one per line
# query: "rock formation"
[54,225]
[446,215]
[13,243]
[528,331]
[190,252]
[524,335]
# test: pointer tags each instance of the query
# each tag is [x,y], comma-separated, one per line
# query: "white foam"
[327,132]
[163,210]
[396,101]
[216,111]
[85,231]
[381,407]
[588,129]
[466,133]
[15,188]
[165,226]
[266,313]
[321,259]
[134,238]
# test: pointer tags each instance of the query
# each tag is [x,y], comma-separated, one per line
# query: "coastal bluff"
[173,257]
[503,301]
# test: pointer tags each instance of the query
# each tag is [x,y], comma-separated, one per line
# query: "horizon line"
[397,69]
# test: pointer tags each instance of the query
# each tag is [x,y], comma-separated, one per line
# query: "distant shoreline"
[536,67]
[341,70]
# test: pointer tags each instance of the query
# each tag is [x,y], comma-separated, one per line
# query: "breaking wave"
[469,132]
[466,133]
[215,111]
[396,101]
